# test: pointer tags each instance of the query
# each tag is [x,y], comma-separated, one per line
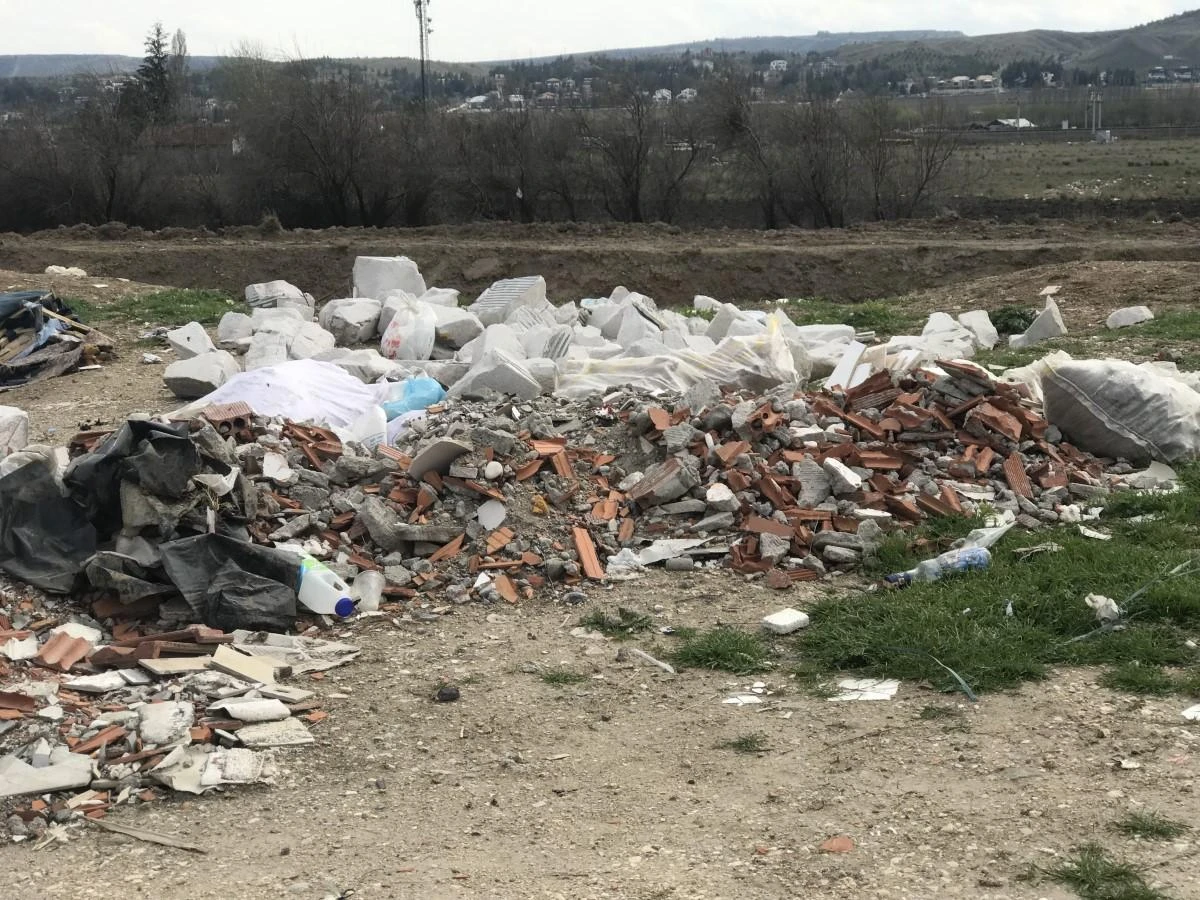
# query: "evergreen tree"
[155,76]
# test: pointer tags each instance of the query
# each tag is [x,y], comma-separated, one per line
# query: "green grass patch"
[623,623]
[1013,319]
[882,316]
[171,307]
[723,649]
[562,677]
[1094,875]
[1134,678]
[961,621]
[746,743]
[1151,826]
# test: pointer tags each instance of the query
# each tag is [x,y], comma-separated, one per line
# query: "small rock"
[447,693]
[493,471]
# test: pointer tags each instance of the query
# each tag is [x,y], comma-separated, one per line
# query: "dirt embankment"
[579,261]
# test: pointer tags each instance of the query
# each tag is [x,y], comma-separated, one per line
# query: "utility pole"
[423,23]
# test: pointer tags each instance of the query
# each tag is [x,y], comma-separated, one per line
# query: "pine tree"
[154,75]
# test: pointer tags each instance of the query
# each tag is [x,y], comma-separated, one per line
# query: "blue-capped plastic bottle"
[955,561]
[320,590]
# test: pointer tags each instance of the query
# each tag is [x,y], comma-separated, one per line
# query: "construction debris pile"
[40,339]
[98,710]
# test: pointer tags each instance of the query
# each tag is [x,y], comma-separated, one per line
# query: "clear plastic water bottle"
[321,591]
[953,562]
[368,590]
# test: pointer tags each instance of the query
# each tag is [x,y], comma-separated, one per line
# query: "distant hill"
[1140,48]
[58,65]
[821,42]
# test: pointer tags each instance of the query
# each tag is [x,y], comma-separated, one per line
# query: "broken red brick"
[586,548]
[109,735]
[996,420]
[499,539]
[1014,473]
[449,551]
[19,702]
[506,589]
[62,652]
[660,418]
[759,525]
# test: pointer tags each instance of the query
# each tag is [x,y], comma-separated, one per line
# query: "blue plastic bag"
[418,393]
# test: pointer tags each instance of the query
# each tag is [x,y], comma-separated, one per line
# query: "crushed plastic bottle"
[950,563]
[322,591]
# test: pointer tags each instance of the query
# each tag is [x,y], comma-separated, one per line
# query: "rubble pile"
[101,710]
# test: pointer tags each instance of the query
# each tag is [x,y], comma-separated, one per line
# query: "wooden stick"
[86,329]
[151,837]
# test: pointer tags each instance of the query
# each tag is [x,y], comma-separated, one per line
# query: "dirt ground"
[615,787]
[590,260]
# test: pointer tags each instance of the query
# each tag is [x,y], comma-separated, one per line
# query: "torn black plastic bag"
[231,584]
[161,459]
[126,577]
[45,538]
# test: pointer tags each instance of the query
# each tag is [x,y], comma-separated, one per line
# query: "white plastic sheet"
[303,390]
[754,363]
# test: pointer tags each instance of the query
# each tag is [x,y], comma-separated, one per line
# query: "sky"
[471,30]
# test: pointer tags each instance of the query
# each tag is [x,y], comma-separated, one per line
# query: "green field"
[1125,170]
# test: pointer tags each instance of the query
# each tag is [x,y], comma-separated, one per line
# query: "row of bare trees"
[320,150]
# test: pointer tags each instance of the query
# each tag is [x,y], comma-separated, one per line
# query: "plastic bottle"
[368,590]
[953,562]
[321,591]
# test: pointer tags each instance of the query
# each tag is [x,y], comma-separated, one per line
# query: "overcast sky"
[466,30]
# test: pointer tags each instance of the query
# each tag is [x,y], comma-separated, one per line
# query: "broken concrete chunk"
[456,327]
[1132,315]
[160,724]
[281,294]
[1047,326]
[497,374]
[841,556]
[309,341]
[499,301]
[199,376]
[815,483]
[65,772]
[286,733]
[663,483]
[250,709]
[842,479]
[190,340]
[721,499]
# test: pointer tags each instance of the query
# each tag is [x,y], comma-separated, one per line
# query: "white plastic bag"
[1114,408]
[411,333]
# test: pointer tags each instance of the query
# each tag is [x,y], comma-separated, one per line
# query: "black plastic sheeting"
[232,584]
[59,539]
[45,538]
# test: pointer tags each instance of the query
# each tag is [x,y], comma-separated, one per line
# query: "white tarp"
[303,391]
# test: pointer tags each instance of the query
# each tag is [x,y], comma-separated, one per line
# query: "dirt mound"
[589,260]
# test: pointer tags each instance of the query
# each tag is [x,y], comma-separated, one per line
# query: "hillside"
[57,65]
[1137,48]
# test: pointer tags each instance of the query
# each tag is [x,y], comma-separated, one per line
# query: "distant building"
[687,95]
[960,82]
[985,82]
[548,100]
[663,96]
[779,65]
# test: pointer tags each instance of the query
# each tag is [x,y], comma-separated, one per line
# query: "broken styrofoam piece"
[189,379]
[500,300]
[1047,326]
[376,276]
[234,331]
[190,340]
[454,327]
[161,724]
[866,689]
[14,430]
[1159,476]
[351,321]
[267,348]
[65,771]
[979,323]
[497,373]
[67,271]
[252,709]
[785,621]
[278,294]
[310,340]
[668,548]
[495,337]
[844,373]
[1131,315]
[444,297]
[705,303]
[19,649]
[1192,714]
